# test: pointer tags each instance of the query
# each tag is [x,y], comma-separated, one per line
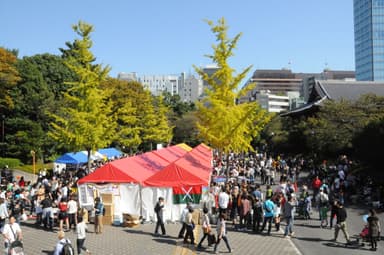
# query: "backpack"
[157,208]
[67,249]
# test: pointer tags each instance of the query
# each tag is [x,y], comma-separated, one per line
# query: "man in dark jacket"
[159,215]
[341,222]
[46,204]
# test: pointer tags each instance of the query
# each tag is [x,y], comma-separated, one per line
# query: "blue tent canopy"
[73,158]
[110,153]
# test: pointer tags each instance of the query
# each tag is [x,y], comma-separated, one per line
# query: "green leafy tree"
[124,95]
[222,122]
[86,121]
[185,130]
[331,130]
[368,147]
[27,121]
[153,118]
[54,72]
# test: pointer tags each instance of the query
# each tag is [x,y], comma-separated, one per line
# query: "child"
[81,229]
[307,208]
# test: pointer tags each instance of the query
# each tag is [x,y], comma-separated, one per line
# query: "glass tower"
[369,39]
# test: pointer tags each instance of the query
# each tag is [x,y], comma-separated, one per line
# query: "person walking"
[3,213]
[334,209]
[72,212]
[223,201]
[222,233]
[374,229]
[81,229]
[268,207]
[60,244]
[183,221]
[341,222]
[63,216]
[289,215]
[11,233]
[277,211]
[99,209]
[206,228]
[257,215]
[159,208]
[190,227]
[245,212]
[47,212]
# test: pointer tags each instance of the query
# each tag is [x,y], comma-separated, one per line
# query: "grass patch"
[29,168]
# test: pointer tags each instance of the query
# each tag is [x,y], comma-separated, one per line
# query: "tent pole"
[141,201]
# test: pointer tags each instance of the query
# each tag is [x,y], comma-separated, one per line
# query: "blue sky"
[170,36]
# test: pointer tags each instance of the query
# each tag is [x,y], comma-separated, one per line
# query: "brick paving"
[140,240]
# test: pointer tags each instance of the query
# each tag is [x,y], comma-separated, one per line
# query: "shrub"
[10,162]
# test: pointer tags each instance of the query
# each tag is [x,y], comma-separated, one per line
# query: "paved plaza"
[309,239]
[140,240]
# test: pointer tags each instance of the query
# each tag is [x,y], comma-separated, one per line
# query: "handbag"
[16,243]
[16,247]
[207,230]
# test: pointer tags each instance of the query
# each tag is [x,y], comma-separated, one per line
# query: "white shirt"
[223,200]
[221,228]
[72,207]
[3,211]
[7,231]
[81,228]
[184,215]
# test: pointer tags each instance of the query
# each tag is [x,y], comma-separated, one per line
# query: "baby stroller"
[364,234]
[301,207]
[304,208]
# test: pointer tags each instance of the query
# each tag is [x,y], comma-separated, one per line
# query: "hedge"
[10,162]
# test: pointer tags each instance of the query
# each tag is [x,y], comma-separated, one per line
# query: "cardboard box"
[108,209]
[107,198]
[107,220]
[128,216]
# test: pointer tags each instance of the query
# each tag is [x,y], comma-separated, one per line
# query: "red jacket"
[316,184]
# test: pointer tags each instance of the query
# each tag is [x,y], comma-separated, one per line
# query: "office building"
[190,88]
[157,84]
[127,76]
[369,39]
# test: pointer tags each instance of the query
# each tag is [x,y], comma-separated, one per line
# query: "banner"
[185,194]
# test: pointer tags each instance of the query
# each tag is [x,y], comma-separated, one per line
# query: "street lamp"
[33,153]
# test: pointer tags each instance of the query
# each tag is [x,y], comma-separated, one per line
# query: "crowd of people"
[51,201]
[253,192]
[256,192]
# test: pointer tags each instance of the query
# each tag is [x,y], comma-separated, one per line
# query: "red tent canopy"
[188,170]
[107,173]
[134,169]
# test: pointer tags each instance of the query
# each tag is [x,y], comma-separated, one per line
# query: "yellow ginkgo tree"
[222,122]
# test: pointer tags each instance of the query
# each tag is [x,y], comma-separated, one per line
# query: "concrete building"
[280,82]
[127,76]
[369,39]
[157,84]
[272,103]
[190,88]
[288,84]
